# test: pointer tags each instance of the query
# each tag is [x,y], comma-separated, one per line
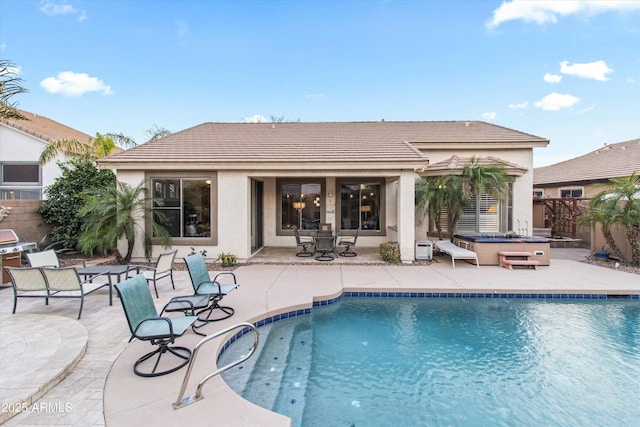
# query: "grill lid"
[8,236]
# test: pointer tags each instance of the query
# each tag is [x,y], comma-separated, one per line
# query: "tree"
[100,146]
[64,199]
[95,148]
[10,86]
[113,213]
[619,204]
[454,193]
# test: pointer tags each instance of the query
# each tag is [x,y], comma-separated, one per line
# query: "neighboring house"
[237,187]
[21,141]
[582,178]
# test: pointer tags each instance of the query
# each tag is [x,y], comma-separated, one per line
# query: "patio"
[92,382]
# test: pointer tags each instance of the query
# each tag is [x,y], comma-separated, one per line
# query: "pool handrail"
[182,402]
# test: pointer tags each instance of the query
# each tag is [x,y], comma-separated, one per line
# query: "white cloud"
[597,70]
[552,78]
[315,95]
[75,84]
[62,7]
[556,101]
[520,106]
[489,115]
[545,11]
[3,46]
[255,119]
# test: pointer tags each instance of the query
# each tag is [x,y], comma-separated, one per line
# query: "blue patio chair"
[204,285]
[146,325]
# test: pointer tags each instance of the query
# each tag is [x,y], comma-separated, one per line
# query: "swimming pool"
[445,361]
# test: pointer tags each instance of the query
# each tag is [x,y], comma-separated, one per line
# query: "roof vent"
[466,124]
[382,119]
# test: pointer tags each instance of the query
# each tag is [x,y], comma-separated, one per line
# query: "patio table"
[113,270]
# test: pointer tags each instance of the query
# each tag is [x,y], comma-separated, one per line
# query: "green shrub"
[227,259]
[64,199]
[390,252]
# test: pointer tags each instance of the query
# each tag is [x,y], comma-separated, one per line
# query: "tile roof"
[45,128]
[318,142]
[610,161]
[454,165]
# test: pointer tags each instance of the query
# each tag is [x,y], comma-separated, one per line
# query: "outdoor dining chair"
[204,285]
[163,267]
[305,242]
[145,324]
[347,241]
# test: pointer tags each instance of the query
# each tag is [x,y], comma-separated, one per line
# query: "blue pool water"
[453,362]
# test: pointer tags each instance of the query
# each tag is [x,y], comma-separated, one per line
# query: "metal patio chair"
[163,267]
[347,241]
[204,285]
[305,242]
[145,324]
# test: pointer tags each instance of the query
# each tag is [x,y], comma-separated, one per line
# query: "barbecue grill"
[11,249]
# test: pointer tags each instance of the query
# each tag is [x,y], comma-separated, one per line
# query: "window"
[571,192]
[360,206]
[20,181]
[20,173]
[184,204]
[538,193]
[482,216]
[300,203]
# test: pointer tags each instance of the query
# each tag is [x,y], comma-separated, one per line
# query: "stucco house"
[579,179]
[238,187]
[21,141]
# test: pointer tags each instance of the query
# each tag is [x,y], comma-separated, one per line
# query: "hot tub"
[488,245]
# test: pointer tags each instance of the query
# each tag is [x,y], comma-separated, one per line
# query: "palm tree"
[100,146]
[114,213]
[10,86]
[620,204]
[455,192]
[95,148]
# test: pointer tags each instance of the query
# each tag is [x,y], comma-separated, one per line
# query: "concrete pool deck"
[97,385]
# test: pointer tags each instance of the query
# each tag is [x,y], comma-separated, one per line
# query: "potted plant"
[601,254]
[227,259]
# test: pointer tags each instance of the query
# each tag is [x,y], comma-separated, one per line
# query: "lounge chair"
[163,267]
[347,241]
[304,242]
[456,252]
[49,258]
[145,324]
[204,285]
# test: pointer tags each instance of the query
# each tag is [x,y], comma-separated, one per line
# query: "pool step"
[266,375]
[292,396]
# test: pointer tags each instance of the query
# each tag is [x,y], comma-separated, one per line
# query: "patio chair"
[304,242]
[347,241]
[65,282]
[203,285]
[146,325]
[163,268]
[49,258]
[27,282]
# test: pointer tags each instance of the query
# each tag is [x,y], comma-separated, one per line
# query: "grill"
[11,248]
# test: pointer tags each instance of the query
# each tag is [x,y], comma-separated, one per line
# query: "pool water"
[462,362]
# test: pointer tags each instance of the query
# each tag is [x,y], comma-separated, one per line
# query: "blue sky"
[568,71]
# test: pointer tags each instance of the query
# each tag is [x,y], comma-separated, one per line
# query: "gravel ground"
[612,264]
